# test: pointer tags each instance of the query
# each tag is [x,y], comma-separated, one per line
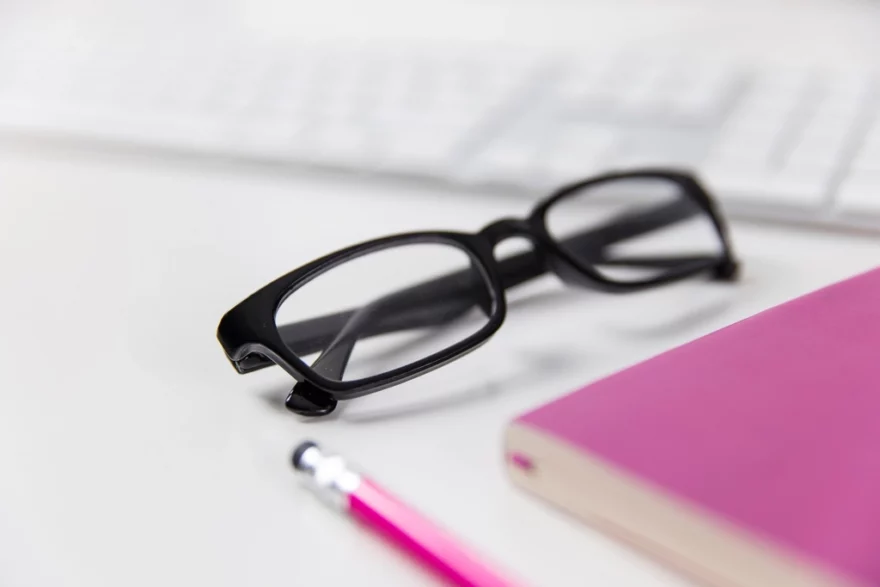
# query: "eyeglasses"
[385,311]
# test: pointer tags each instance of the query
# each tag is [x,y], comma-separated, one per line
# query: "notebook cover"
[766,432]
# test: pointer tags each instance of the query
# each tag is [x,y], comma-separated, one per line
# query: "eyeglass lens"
[385,309]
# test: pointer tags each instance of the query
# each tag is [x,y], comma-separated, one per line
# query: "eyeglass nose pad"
[727,271]
[307,400]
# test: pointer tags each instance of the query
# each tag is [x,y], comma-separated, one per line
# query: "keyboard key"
[274,137]
[782,84]
[647,149]
[868,158]
[575,152]
[794,188]
[872,136]
[342,145]
[736,183]
[860,194]
[424,149]
[800,187]
[846,93]
[742,149]
[504,162]
[817,152]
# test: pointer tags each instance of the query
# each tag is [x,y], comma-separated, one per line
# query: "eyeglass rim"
[691,187]
[255,309]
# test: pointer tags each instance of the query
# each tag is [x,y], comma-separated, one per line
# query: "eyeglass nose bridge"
[506,228]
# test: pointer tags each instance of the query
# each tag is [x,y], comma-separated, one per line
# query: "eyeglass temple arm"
[433,303]
[445,298]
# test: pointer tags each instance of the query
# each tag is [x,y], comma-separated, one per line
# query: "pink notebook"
[749,457]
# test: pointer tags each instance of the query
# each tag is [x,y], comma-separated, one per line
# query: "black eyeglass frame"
[251,339]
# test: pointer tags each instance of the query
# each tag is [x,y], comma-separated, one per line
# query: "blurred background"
[774,102]
[784,26]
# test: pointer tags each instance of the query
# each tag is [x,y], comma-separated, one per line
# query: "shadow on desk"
[522,371]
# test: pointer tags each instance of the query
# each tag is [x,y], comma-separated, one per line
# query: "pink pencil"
[349,491]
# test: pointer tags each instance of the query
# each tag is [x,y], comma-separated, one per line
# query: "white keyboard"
[784,144]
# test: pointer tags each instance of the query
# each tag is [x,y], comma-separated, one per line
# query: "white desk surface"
[132,454]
